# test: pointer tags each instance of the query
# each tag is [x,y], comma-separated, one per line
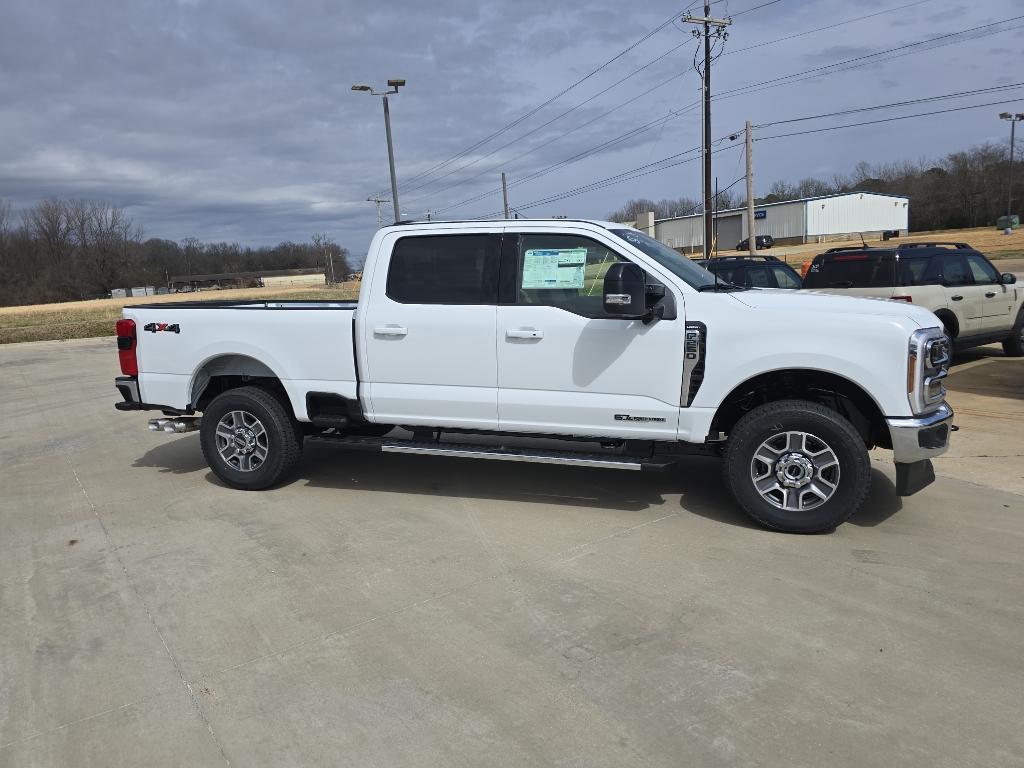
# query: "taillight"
[908,299]
[126,343]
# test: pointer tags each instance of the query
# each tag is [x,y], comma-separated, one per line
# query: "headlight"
[927,366]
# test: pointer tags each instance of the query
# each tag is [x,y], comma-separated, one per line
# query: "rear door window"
[949,269]
[852,270]
[913,270]
[759,277]
[445,269]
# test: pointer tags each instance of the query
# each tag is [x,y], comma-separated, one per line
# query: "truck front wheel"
[249,440]
[797,466]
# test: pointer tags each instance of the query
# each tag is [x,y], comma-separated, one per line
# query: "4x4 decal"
[157,327]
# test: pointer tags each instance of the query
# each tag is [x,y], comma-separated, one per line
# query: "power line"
[755,8]
[535,110]
[530,113]
[573,108]
[923,100]
[827,27]
[868,56]
[628,175]
[631,174]
[764,85]
[887,119]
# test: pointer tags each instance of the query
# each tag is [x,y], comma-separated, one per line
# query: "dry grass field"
[85,319]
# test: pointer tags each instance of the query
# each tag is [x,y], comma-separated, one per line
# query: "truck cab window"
[445,269]
[565,271]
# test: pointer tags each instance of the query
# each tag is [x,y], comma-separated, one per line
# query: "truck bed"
[307,345]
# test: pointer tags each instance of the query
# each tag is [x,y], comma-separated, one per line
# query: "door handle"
[989,295]
[390,330]
[958,298]
[524,333]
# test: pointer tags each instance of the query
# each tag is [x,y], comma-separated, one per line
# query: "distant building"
[277,278]
[808,220]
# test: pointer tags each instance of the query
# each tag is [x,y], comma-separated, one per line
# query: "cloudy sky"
[235,120]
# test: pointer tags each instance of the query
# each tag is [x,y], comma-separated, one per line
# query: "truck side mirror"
[625,291]
[1008,278]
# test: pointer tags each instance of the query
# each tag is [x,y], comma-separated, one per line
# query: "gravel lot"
[402,611]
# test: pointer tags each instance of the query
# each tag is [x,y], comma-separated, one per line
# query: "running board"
[497,453]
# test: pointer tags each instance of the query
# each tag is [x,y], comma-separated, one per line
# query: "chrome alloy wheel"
[242,441]
[795,471]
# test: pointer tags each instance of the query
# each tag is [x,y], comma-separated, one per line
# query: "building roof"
[786,202]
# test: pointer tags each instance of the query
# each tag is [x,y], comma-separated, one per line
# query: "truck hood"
[812,301]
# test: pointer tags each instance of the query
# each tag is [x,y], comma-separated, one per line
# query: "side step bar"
[497,453]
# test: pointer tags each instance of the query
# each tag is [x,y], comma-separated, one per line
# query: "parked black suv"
[761,242]
[753,271]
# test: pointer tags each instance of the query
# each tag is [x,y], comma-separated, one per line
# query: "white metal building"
[809,220]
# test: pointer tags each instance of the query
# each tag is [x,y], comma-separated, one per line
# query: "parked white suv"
[976,304]
[469,333]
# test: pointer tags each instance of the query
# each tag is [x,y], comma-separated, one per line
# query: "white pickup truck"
[477,337]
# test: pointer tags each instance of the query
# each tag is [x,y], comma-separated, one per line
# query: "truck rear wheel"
[248,438]
[797,466]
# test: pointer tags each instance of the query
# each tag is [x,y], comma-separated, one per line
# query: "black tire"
[768,425]
[279,440]
[1013,345]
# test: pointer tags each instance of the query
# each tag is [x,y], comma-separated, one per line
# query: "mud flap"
[911,478]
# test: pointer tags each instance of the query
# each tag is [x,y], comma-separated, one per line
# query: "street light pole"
[393,86]
[391,159]
[1014,119]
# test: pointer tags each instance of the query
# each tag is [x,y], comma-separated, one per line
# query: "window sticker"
[554,268]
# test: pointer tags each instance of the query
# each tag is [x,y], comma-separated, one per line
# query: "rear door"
[564,366]
[997,299]
[428,337]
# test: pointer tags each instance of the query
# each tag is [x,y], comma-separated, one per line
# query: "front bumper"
[922,437]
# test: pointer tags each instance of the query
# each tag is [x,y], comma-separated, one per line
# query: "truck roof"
[498,222]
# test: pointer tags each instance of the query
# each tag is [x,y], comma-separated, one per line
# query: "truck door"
[428,334]
[564,366]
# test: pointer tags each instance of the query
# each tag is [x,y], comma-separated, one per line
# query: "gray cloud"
[230,120]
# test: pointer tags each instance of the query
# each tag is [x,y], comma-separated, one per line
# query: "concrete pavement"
[405,611]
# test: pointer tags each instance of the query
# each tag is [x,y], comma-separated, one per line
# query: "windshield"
[691,273]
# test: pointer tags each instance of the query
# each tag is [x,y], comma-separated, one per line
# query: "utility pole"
[504,192]
[751,229]
[378,200]
[708,27]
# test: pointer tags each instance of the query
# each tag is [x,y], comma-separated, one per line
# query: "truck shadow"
[696,480]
